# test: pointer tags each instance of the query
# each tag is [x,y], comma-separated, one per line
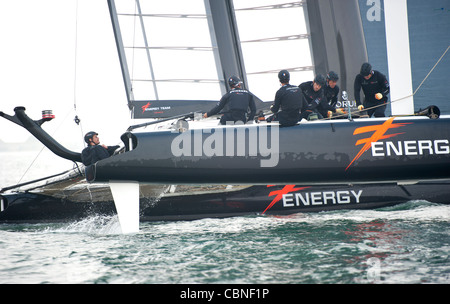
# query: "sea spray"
[96,224]
[404,244]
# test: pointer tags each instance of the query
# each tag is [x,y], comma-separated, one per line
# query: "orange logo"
[145,107]
[279,194]
[379,133]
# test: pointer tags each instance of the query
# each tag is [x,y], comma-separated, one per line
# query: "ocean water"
[406,244]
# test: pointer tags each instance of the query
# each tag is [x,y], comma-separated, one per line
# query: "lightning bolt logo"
[379,134]
[279,194]
[145,107]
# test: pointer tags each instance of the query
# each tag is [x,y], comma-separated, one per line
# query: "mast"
[302,36]
[120,49]
[337,39]
[223,25]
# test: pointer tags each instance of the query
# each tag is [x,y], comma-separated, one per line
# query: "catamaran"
[194,168]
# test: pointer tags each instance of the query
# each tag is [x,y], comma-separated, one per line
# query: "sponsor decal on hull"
[379,133]
[292,196]
[396,148]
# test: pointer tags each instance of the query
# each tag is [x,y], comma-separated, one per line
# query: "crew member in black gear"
[315,98]
[234,104]
[291,101]
[375,87]
[94,151]
[331,90]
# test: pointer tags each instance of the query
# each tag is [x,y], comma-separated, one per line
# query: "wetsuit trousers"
[233,117]
[375,109]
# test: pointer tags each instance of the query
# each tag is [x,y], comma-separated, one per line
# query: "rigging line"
[392,101]
[75,78]
[42,149]
[432,70]
[134,44]
[426,77]
[17,186]
[32,163]
[75,59]
[74,94]
[81,130]
[76,166]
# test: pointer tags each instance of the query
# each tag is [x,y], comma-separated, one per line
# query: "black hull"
[334,152]
[324,157]
[323,152]
[253,200]
[38,208]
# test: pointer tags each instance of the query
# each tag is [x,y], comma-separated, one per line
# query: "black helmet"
[333,76]
[89,135]
[320,80]
[284,76]
[366,69]
[234,81]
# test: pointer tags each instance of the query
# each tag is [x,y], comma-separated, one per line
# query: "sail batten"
[180,49]
[281,42]
[275,6]
[280,38]
[180,80]
[196,16]
[168,52]
[172,48]
[297,69]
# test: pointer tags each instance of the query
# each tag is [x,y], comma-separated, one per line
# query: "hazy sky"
[40,49]
[37,69]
